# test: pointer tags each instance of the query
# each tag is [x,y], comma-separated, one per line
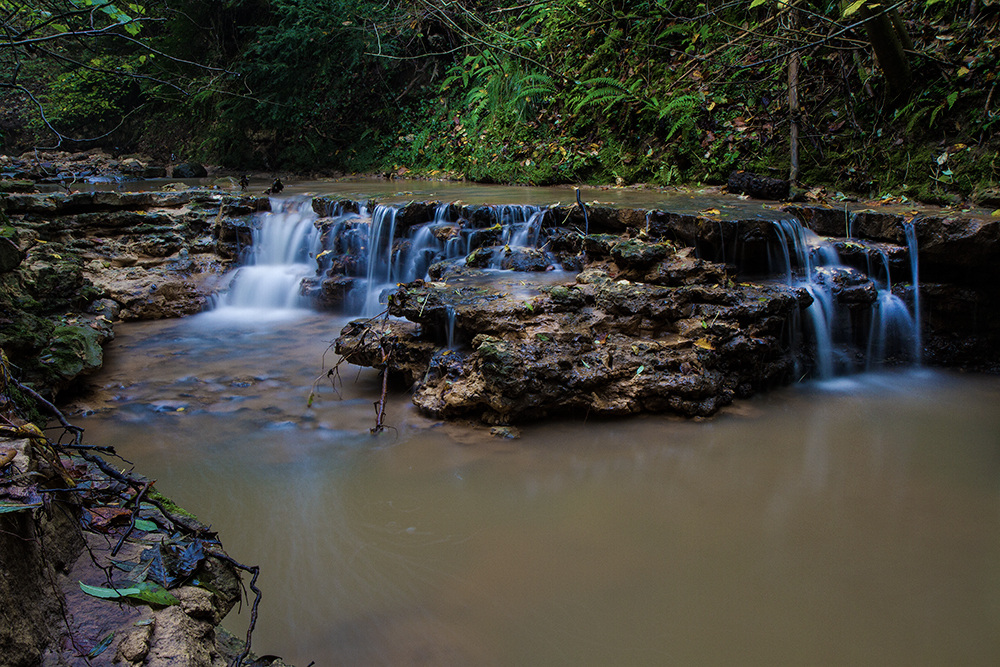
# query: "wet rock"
[683,268]
[11,255]
[756,186]
[632,254]
[329,293]
[603,346]
[505,432]
[849,286]
[188,170]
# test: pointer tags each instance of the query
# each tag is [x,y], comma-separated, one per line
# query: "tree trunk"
[889,40]
[793,102]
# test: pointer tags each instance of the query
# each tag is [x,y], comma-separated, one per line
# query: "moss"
[13,185]
[24,334]
[72,351]
[170,505]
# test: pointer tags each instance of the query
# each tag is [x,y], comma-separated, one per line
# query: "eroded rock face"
[523,349]
[72,263]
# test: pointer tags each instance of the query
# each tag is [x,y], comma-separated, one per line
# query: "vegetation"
[883,99]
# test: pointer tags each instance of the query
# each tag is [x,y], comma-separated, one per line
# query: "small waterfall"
[892,332]
[378,262]
[810,254]
[450,326]
[911,246]
[281,255]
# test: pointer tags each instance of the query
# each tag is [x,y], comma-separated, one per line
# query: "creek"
[852,520]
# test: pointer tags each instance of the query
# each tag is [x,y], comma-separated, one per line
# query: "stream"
[853,520]
[845,522]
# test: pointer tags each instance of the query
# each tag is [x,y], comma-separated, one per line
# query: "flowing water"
[850,521]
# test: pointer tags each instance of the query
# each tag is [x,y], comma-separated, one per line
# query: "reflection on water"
[851,522]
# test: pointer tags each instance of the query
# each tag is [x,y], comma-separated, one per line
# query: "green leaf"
[146,591]
[146,525]
[154,594]
[757,3]
[853,7]
[108,593]
[16,507]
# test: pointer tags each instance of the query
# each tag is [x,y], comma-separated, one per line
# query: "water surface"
[851,522]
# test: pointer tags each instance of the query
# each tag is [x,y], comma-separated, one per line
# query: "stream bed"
[852,521]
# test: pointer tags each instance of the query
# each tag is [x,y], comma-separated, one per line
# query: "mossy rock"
[14,185]
[630,253]
[24,333]
[72,351]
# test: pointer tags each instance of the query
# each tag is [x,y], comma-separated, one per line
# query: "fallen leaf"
[704,344]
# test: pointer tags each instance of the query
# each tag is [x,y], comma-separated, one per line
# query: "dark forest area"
[881,100]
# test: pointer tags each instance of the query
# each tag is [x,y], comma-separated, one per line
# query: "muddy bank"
[100,569]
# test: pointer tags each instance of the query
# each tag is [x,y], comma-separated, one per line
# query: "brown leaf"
[102,518]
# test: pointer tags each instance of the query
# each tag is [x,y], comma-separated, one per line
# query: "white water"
[893,329]
[287,242]
[282,254]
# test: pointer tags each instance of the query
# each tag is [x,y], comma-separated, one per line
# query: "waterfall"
[809,262]
[911,246]
[281,255]
[810,253]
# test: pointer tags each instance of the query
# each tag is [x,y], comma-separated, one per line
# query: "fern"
[604,92]
[682,108]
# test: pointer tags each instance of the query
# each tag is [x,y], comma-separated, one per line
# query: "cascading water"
[911,246]
[814,265]
[288,246]
[810,254]
[281,255]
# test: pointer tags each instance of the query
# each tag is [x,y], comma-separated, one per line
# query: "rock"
[11,255]
[505,432]
[849,286]
[188,170]
[600,346]
[758,187]
[134,647]
[75,351]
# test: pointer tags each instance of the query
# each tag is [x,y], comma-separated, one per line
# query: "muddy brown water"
[844,523]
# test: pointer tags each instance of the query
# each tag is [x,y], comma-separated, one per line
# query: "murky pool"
[850,522]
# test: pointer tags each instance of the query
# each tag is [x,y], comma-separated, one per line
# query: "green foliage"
[664,91]
[92,97]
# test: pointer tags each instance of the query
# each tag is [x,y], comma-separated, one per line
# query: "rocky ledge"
[72,263]
[680,339]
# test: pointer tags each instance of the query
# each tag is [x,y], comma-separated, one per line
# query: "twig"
[75,430]
[254,570]
[135,513]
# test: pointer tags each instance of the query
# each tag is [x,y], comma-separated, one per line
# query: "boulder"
[188,170]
